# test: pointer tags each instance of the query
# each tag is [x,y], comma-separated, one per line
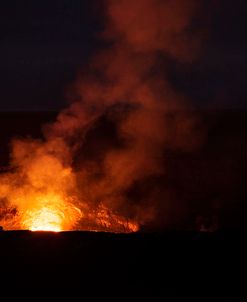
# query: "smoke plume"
[103,153]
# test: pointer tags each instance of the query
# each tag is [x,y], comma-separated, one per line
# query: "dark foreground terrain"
[168,263]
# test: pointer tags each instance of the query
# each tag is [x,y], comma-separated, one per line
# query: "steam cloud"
[126,86]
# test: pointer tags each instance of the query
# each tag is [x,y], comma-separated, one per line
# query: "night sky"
[44,44]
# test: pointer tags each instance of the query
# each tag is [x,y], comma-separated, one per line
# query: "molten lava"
[51,209]
[42,195]
[53,215]
[44,219]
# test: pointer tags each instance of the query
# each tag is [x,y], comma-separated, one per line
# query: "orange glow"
[44,219]
[53,215]
[44,195]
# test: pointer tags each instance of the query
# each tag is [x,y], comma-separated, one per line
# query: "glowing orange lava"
[45,219]
[44,198]
[50,213]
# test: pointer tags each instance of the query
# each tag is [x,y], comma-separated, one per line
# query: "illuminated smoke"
[126,84]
